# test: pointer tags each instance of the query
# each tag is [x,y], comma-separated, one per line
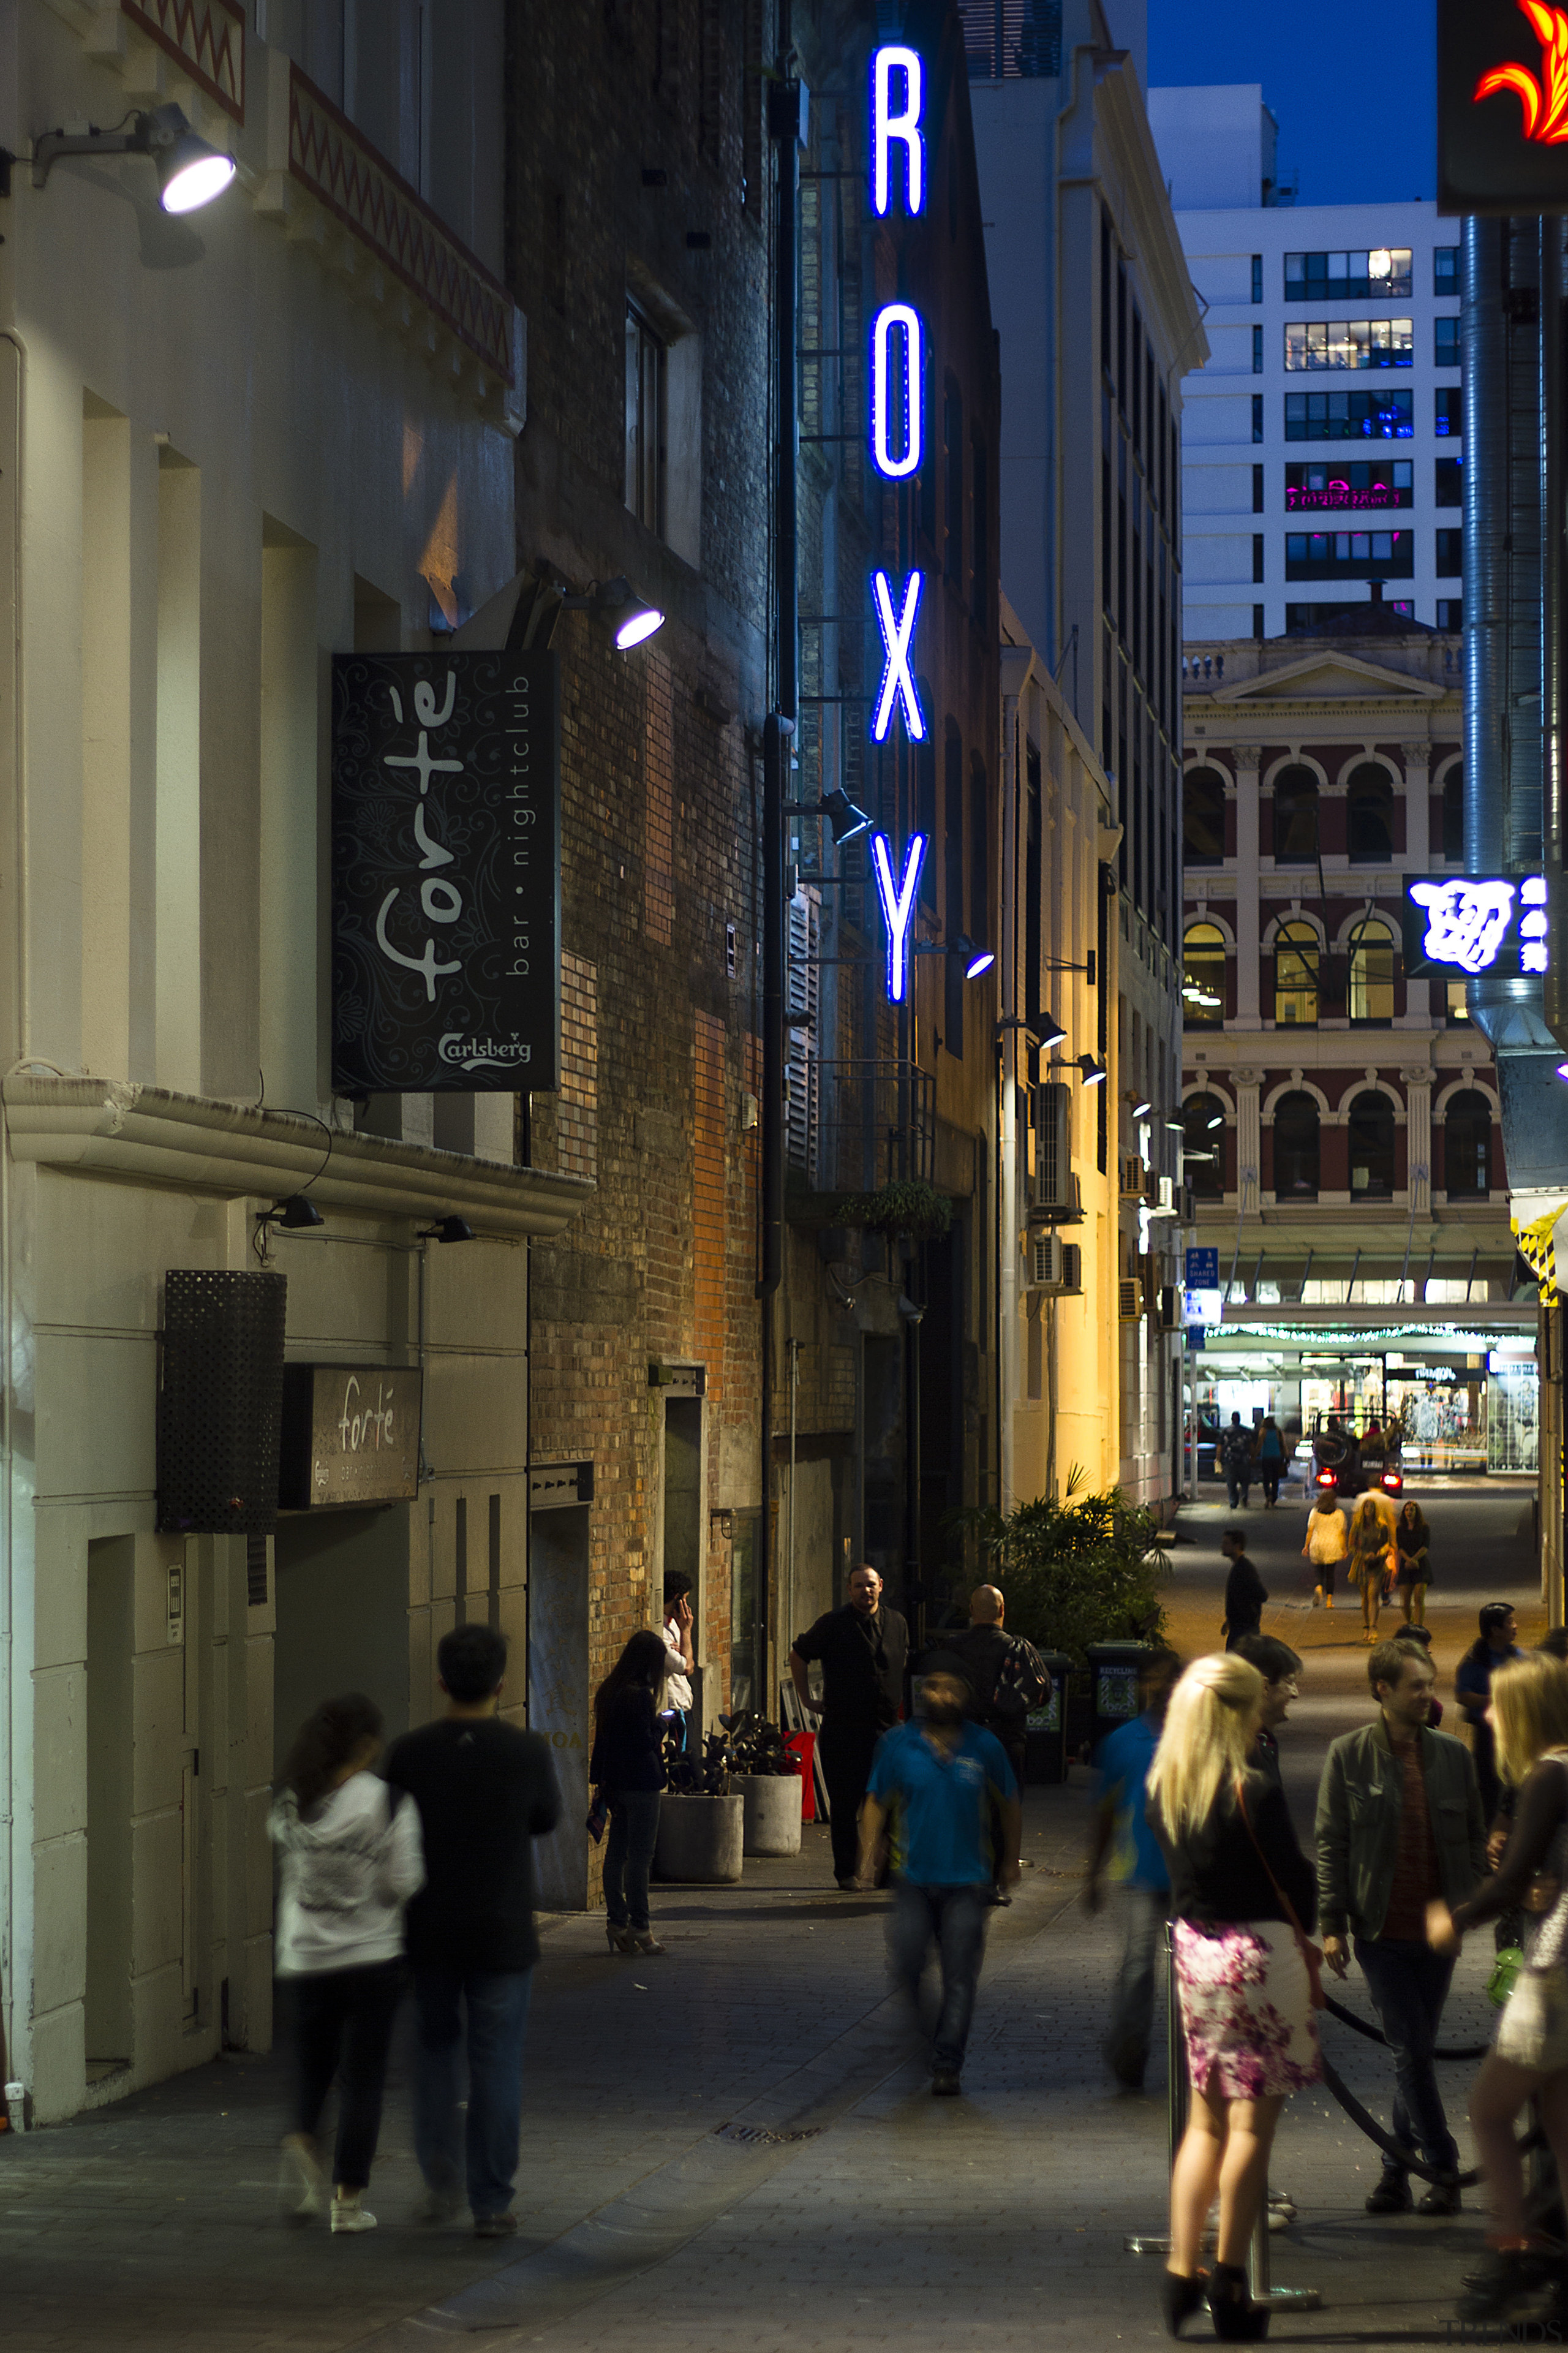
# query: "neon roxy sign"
[898,439]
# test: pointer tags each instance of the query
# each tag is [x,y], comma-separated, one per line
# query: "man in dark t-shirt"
[485,1791]
[1245,1591]
[863,1649]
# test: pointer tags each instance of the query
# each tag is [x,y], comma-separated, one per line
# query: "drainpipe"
[1008,1220]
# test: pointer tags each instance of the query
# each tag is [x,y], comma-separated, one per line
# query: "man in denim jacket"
[1399,1823]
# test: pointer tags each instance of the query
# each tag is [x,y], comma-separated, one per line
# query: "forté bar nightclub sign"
[445,872]
[1502,108]
[898,434]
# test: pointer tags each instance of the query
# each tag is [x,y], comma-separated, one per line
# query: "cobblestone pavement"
[735,2145]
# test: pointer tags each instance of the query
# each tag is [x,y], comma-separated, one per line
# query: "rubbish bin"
[1046,1728]
[1113,1683]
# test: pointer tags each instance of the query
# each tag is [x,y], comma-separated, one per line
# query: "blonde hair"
[1208,1730]
[1531,1697]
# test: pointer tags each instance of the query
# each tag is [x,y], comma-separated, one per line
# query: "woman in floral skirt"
[1238,1876]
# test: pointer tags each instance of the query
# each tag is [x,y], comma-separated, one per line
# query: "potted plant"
[701,1822]
[767,1776]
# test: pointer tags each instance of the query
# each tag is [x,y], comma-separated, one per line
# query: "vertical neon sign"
[898,439]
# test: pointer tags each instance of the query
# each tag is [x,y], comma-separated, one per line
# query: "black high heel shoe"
[1237,2319]
[1180,2297]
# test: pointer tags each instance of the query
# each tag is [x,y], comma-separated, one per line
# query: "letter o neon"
[900,320]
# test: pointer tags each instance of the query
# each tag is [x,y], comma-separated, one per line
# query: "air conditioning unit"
[1072,1266]
[1128,1305]
[1053,1147]
[1044,1254]
[1167,1200]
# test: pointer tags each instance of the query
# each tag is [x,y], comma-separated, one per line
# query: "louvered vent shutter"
[800,997]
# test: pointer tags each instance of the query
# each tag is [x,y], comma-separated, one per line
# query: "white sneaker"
[301,2184]
[348,2214]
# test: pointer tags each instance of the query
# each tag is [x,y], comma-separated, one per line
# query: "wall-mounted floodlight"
[976,959]
[296,1213]
[1142,1110]
[1179,1126]
[448,1230]
[1052,1034]
[1217,1120]
[1094,1072]
[630,618]
[843,818]
[190,172]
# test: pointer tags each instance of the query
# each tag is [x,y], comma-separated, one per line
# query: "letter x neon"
[898,636]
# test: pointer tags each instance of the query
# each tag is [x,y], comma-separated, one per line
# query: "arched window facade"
[1467,1145]
[1203,817]
[1369,815]
[1296,1147]
[1203,1145]
[1203,980]
[1296,975]
[1454,816]
[1372,1147]
[1373,948]
[1295,814]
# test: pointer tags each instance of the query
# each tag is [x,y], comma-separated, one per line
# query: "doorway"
[343,1616]
[682,1526]
[558,1693]
[110,1638]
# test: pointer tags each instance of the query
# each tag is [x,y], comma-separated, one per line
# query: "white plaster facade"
[229,446]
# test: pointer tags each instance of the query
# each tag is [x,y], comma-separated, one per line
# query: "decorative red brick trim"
[348,176]
[205,36]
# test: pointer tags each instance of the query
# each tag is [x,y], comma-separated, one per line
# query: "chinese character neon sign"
[1468,923]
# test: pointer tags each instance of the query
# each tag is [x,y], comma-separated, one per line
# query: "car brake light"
[1326,1479]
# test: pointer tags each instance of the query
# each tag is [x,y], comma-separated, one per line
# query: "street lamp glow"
[981,961]
[638,626]
[192,176]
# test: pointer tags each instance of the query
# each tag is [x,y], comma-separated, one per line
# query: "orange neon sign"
[1546,102]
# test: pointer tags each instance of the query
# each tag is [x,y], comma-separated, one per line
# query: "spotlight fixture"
[1094,1073]
[1052,1034]
[296,1213]
[448,1230]
[976,959]
[844,820]
[1178,1125]
[1217,1120]
[1563,1070]
[629,617]
[908,1310]
[190,172]
[1142,1110]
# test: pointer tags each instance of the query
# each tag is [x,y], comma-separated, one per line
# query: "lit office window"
[1382,274]
[1331,343]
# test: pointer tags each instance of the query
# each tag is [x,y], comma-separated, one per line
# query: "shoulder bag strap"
[1263,1859]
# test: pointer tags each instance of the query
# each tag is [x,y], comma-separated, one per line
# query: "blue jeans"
[483,2149]
[1408,1983]
[954,1918]
[1143,1916]
[628,1856]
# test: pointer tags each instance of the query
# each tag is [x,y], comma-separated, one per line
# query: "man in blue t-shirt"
[937,1782]
[1121,1832]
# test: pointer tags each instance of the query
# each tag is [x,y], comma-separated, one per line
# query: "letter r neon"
[903,126]
[898,904]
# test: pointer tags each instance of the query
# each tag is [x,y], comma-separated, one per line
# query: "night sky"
[1352,87]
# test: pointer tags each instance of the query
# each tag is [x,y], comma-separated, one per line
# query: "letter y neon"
[898,904]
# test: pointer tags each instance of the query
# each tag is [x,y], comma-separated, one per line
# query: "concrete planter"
[700,1840]
[773,1812]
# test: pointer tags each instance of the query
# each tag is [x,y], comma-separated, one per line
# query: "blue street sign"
[1203,1270]
[1197,1336]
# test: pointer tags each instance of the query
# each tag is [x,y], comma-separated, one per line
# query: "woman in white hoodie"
[350,1858]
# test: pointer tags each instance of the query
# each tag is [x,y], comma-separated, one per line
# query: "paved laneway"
[734,2146]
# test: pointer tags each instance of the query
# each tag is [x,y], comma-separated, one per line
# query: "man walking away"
[1006,1674]
[863,1649]
[1236,1461]
[485,1791]
[1497,1642]
[1400,1824]
[1245,1591]
[1121,1833]
[938,1780]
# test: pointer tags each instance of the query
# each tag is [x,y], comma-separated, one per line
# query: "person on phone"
[679,1658]
[1399,1824]
[1529,1705]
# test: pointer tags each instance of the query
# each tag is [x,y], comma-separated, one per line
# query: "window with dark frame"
[1297,1145]
[1448,481]
[646,370]
[1447,418]
[1296,961]
[1444,269]
[1370,1127]
[1445,350]
[1295,815]
[1450,554]
[1467,1145]
[1382,274]
[1258,416]
[1349,416]
[1257,278]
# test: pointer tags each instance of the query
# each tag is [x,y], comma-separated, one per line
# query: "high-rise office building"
[1322,458]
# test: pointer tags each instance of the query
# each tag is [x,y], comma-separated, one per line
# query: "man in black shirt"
[1007,1673]
[1245,1591]
[863,1649]
[485,1792]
